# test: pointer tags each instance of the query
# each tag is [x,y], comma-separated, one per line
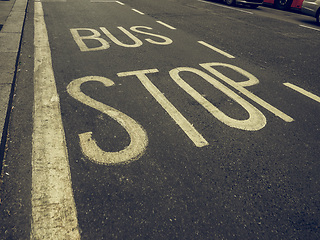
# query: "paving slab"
[7,67]
[19,5]
[14,22]
[5,9]
[9,42]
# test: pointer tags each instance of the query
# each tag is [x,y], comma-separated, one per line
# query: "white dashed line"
[137,11]
[166,25]
[304,26]
[216,49]
[302,91]
[54,213]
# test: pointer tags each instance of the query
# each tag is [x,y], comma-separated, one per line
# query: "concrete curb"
[10,38]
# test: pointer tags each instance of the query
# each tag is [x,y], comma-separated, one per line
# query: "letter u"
[137,42]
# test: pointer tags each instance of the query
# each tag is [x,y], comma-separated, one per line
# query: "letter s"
[167,40]
[138,136]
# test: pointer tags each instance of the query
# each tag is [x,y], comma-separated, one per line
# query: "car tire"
[318,17]
[283,4]
[230,2]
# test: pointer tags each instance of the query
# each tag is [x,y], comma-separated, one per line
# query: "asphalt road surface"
[172,119]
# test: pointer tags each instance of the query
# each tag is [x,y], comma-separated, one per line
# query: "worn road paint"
[54,213]
[216,49]
[302,91]
[95,36]
[138,136]
[256,120]
[166,25]
[240,86]
[183,123]
[166,41]
[137,42]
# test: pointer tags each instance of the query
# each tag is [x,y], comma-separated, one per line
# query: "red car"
[285,4]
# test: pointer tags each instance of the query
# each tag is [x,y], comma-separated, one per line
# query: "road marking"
[137,11]
[54,213]
[216,49]
[138,136]
[137,42]
[256,120]
[317,29]
[302,91]
[219,5]
[183,123]
[95,36]
[120,3]
[240,86]
[166,25]
[167,40]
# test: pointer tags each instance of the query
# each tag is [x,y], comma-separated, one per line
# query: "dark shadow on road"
[314,23]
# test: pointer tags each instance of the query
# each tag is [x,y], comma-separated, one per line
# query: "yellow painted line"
[302,91]
[54,213]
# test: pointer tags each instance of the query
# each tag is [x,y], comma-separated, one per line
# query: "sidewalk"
[12,15]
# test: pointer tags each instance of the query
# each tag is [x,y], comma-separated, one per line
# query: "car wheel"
[230,2]
[283,4]
[318,17]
